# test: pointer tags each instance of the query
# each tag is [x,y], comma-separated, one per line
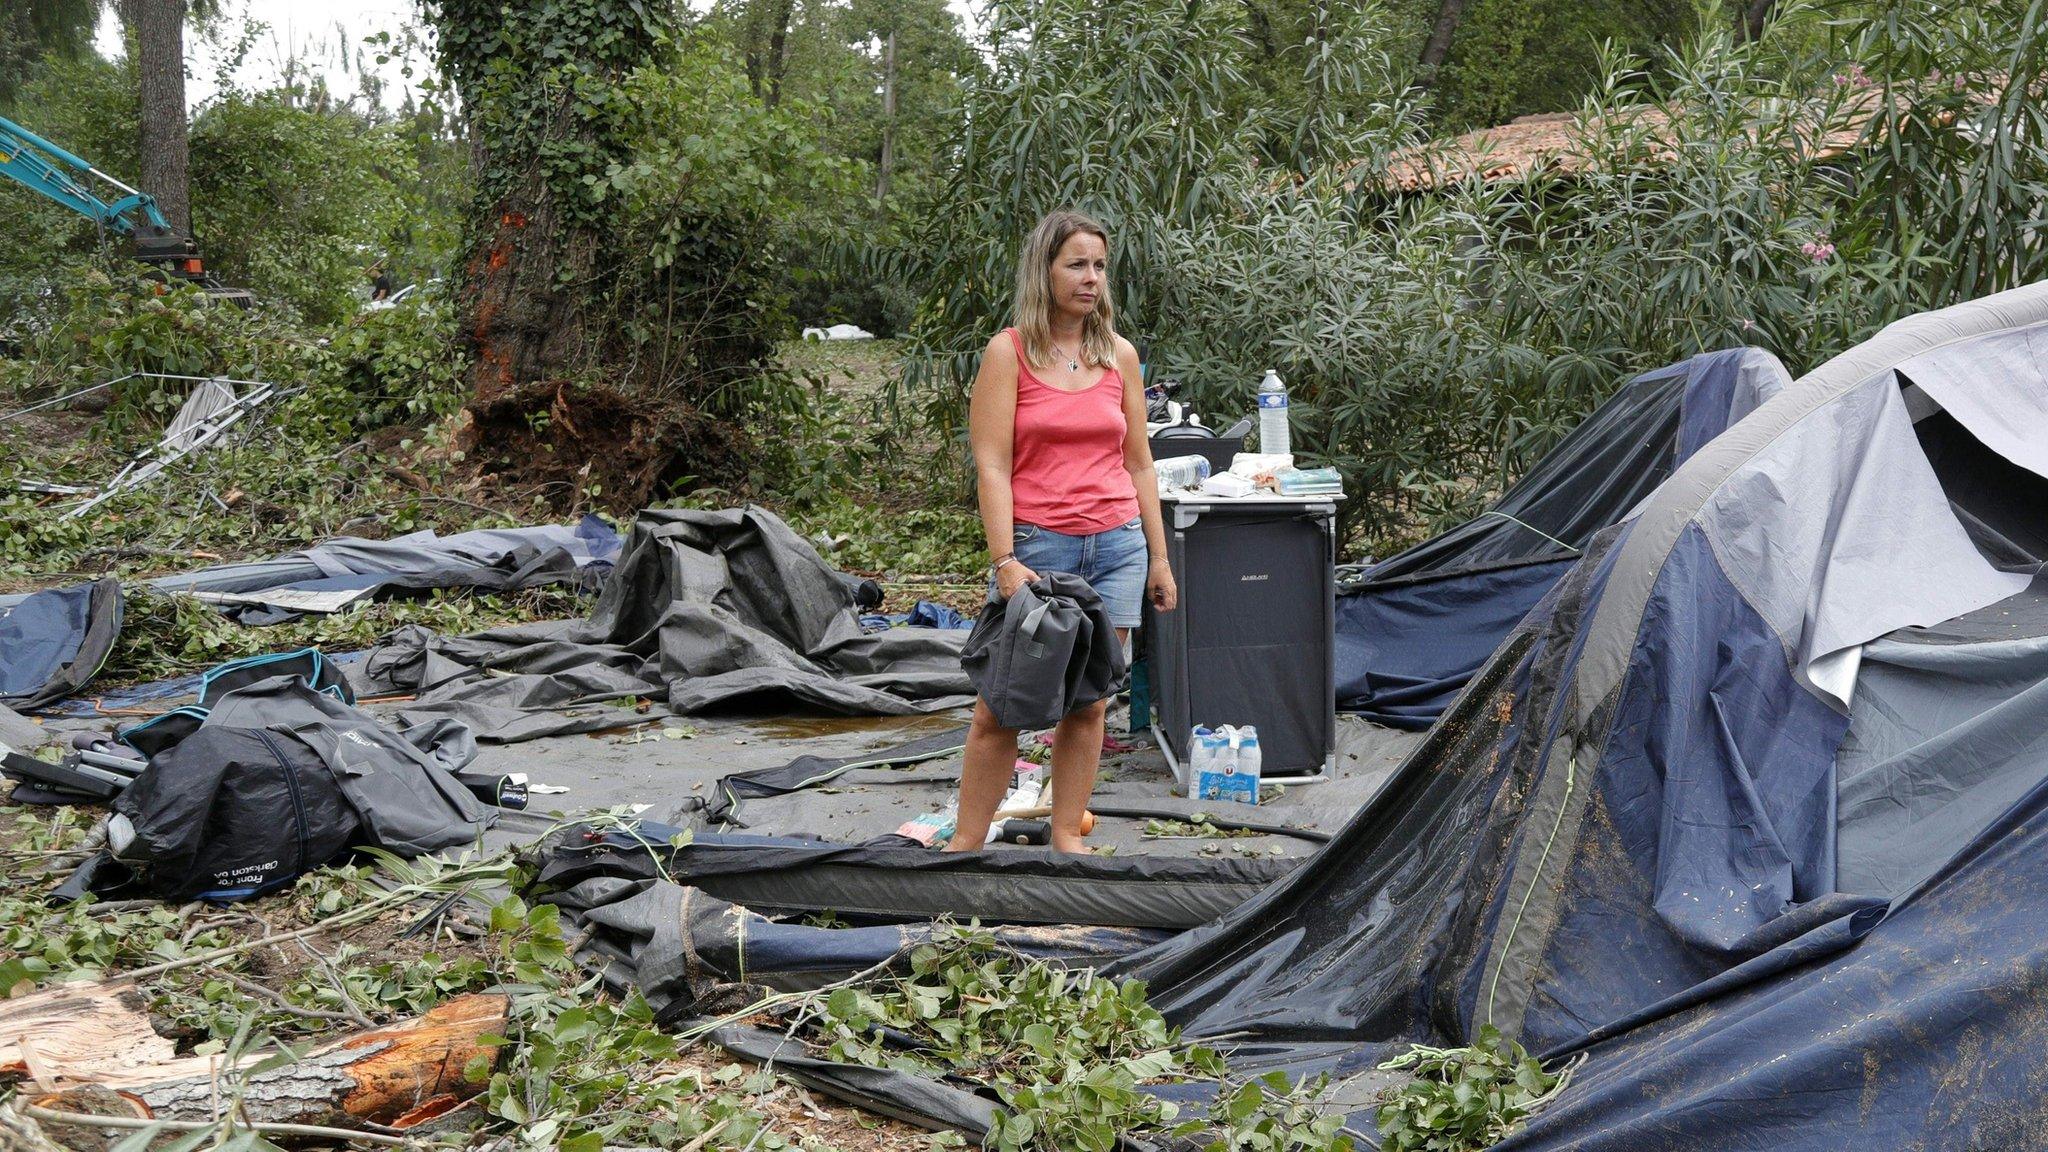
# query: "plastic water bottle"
[1273,416]
[1246,740]
[1181,472]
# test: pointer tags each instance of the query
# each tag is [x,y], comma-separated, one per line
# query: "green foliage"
[1435,344]
[399,365]
[1513,57]
[291,198]
[1463,1099]
[584,1072]
[1197,826]
[1067,1053]
[722,192]
[1267,1114]
[293,203]
[76,941]
[101,327]
[1139,112]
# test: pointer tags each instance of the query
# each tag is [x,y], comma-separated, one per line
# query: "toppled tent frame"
[1420,623]
[1647,830]
[212,408]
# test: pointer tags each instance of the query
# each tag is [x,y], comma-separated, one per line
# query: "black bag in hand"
[1048,651]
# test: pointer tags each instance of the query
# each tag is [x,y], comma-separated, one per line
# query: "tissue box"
[1228,485]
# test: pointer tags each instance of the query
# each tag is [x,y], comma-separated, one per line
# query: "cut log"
[379,1075]
[79,1032]
[382,1076]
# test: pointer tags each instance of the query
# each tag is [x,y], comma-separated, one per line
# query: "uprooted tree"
[616,290]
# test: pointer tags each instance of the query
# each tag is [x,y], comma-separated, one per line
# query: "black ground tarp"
[889,882]
[704,610]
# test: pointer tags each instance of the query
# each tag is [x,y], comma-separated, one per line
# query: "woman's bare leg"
[984,779]
[1076,754]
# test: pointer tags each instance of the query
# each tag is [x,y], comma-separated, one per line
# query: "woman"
[1057,423]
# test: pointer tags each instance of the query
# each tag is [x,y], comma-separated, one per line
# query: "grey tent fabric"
[19,733]
[405,793]
[495,558]
[1947,731]
[705,609]
[1945,339]
[279,779]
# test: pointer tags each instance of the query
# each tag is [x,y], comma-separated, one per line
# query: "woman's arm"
[1138,462]
[991,426]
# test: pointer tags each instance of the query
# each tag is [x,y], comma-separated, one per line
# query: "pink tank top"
[1067,454]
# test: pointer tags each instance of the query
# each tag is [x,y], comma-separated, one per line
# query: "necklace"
[1073,361]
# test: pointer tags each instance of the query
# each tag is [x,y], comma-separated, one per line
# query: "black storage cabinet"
[1251,642]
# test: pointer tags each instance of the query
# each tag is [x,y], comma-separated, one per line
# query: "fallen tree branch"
[131,1124]
[277,998]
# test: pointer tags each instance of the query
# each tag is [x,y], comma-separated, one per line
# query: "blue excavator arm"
[41,166]
[37,164]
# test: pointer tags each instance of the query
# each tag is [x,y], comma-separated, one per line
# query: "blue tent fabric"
[923,614]
[1404,654]
[1424,620]
[53,642]
[1625,840]
[40,636]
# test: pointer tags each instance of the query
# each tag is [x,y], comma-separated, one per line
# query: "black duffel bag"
[277,780]
[1047,651]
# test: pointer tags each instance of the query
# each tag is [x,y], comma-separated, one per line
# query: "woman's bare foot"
[1072,844]
[957,844]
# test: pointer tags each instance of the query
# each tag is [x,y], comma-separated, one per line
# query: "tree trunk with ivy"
[539,84]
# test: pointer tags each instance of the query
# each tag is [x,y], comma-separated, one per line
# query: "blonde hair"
[1033,308]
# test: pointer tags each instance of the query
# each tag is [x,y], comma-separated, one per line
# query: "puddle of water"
[814,727]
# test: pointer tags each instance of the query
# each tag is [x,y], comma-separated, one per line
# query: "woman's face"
[1080,275]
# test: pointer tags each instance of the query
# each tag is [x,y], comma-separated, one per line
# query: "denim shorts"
[1113,563]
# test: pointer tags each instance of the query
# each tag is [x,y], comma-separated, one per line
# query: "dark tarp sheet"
[1404,654]
[491,558]
[677,943]
[890,881]
[1425,620]
[808,771]
[52,643]
[705,609]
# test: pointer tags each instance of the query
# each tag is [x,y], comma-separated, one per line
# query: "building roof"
[1561,144]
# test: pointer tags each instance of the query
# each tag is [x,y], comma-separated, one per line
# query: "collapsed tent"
[1423,621]
[705,608]
[53,643]
[1752,809]
[328,576]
